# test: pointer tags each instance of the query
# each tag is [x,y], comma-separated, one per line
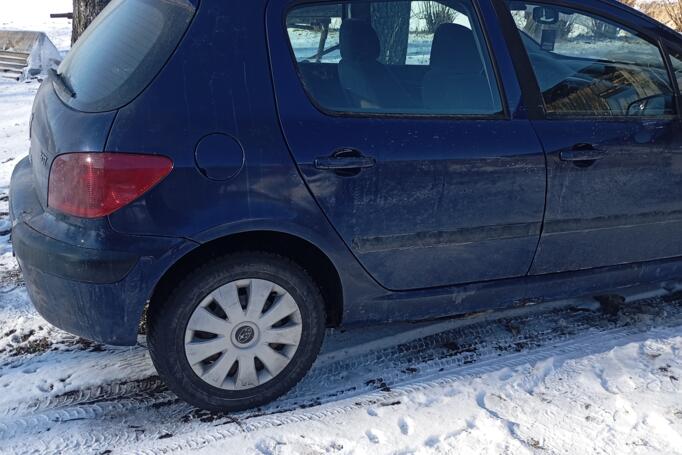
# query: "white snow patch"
[623,400]
[34,15]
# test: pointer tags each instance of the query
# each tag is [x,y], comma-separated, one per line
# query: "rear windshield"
[122,51]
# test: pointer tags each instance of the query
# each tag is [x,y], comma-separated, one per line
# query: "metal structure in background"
[61,16]
[25,53]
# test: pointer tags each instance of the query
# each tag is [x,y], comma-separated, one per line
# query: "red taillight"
[93,185]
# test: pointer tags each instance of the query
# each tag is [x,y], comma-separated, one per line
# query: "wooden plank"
[7,69]
[11,64]
[14,55]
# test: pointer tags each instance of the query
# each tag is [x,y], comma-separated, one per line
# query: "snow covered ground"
[565,378]
[34,15]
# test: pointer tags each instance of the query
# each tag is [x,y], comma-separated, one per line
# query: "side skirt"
[656,278]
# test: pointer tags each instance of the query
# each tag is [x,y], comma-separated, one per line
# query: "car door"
[398,122]
[610,132]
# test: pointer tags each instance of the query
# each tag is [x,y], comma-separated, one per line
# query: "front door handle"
[582,153]
[345,160]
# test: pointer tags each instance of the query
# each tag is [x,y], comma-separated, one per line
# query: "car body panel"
[622,209]
[268,194]
[86,279]
[463,198]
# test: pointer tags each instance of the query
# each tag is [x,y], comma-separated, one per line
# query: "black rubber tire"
[168,320]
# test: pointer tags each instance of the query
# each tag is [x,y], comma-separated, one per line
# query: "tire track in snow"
[336,362]
[436,359]
[431,381]
[99,393]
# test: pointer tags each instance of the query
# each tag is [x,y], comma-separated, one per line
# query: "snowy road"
[566,378]
[510,376]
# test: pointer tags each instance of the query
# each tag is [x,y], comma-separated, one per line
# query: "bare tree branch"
[673,9]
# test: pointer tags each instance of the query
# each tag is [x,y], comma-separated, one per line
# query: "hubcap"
[243,334]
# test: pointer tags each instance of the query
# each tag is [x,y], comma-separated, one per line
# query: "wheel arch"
[309,256]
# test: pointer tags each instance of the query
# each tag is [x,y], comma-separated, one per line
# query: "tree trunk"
[392,23]
[84,12]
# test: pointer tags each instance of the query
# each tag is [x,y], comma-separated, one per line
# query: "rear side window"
[122,51]
[394,57]
[590,67]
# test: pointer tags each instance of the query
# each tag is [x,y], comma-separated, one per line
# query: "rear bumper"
[108,313]
[68,261]
[82,276]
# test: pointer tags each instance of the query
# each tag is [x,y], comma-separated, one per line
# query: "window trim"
[531,96]
[671,74]
[651,38]
[504,114]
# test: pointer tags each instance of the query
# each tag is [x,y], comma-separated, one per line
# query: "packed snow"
[562,378]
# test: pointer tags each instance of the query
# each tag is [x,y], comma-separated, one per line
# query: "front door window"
[589,67]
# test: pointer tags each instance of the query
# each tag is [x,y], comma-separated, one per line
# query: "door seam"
[544,212]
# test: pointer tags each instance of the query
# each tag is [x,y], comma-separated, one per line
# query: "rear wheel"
[238,332]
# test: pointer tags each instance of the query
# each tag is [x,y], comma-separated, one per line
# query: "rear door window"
[122,51]
[588,66]
[394,57]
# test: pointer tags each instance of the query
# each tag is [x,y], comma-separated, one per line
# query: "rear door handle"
[344,162]
[582,153]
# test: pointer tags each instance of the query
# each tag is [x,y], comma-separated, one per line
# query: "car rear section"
[81,274]
[159,177]
[134,181]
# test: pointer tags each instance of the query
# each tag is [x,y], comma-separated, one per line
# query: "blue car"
[242,175]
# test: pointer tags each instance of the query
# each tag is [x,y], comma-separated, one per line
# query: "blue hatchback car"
[248,173]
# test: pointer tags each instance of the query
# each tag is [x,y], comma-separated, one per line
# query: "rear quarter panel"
[218,82]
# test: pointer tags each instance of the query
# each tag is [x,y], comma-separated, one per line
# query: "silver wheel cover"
[243,334]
